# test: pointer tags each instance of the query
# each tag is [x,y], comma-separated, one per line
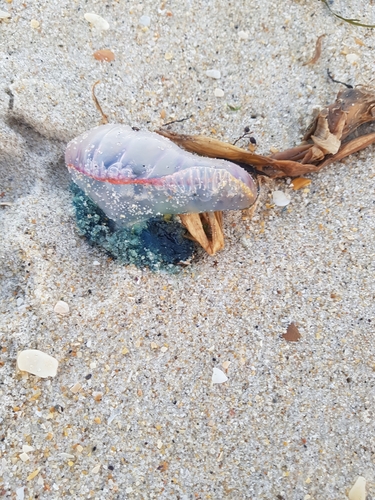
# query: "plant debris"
[355,22]
[317,53]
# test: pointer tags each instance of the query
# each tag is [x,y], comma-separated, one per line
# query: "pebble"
[219,93]
[358,491]
[24,457]
[213,73]
[280,199]
[218,377]
[96,469]
[144,21]
[37,362]
[243,35]
[61,307]
[97,21]
[34,24]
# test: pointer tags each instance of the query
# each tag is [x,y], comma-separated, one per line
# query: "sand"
[132,412]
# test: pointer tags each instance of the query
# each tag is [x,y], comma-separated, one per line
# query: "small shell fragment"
[4,15]
[219,92]
[218,377]
[358,491]
[280,199]
[300,182]
[24,457]
[34,24]
[61,307]
[213,73]
[104,55]
[37,362]
[97,21]
[144,21]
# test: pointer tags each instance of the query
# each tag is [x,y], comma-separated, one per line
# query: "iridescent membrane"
[135,175]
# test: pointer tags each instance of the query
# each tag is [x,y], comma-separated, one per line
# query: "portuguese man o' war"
[135,175]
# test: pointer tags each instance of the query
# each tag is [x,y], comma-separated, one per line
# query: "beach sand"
[132,412]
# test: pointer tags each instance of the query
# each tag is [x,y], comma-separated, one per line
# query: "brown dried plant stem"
[329,139]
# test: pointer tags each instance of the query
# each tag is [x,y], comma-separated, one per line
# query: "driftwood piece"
[330,138]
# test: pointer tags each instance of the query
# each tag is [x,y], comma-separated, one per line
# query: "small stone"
[125,350]
[352,58]
[164,349]
[76,388]
[144,21]
[159,444]
[219,93]
[24,457]
[168,56]
[96,263]
[104,55]
[225,365]
[213,73]
[358,491]
[243,35]
[62,308]
[96,469]
[96,21]
[4,15]
[37,362]
[34,24]
[79,448]
[280,199]
[154,345]
[218,377]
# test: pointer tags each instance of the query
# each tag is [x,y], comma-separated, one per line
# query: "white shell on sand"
[61,307]
[358,491]
[213,73]
[218,377]
[37,362]
[97,21]
[280,199]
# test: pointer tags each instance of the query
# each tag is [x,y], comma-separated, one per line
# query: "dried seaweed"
[355,22]
[317,53]
[336,132]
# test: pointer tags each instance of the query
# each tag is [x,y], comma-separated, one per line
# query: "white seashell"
[219,92]
[218,377]
[97,21]
[61,307]
[144,21]
[37,362]
[213,73]
[280,199]
[358,491]
[4,15]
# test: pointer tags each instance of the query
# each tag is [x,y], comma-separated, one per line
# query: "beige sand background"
[294,421]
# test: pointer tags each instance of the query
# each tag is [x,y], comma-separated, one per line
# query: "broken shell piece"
[37,362]
[97,21]
[61,307]
[4,15]
[280,199]
[358,491]
[218,377]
